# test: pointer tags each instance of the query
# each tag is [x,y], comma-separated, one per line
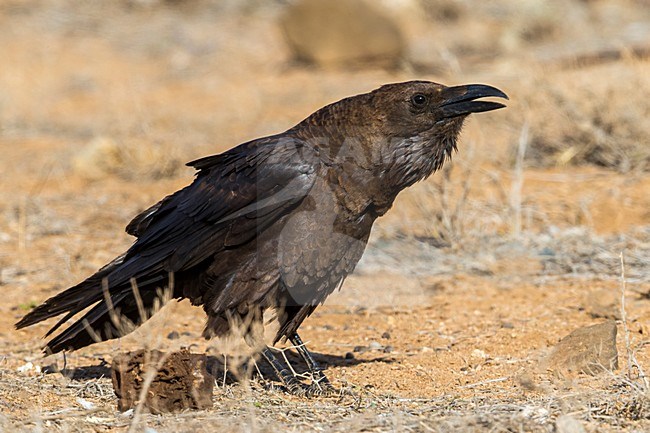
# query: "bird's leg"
[320,383]
[254,337]
[293,385]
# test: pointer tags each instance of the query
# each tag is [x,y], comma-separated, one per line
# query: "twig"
[632,362]
[518,181]
[485,382]
[225,369]
[624,318]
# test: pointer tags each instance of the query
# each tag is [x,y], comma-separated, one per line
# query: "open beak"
[461,100]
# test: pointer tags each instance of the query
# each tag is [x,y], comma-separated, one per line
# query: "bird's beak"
[461,100]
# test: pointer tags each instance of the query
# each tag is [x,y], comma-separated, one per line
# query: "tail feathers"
[72,300]
[107,321]
[117,307]
[95,326]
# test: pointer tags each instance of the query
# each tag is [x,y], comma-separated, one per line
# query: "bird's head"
[401,132]
[422,121]
[422,107]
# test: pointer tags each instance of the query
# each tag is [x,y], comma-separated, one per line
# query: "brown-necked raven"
[274,223]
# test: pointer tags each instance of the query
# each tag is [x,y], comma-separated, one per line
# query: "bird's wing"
[235,196]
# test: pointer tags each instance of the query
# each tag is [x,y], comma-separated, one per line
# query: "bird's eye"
[419,100]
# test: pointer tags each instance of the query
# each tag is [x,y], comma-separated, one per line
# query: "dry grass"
[595,115]
[474,273]
[613,405]
[131,159]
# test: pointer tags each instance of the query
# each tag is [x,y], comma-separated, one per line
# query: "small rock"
[478,353]
[589,350]
[375,346]
[536,413]
[349,355]
[88,405]
[360,349]
[568,424]
[388,349]
[386,335]
[29,369]
[507,325]
[173,335]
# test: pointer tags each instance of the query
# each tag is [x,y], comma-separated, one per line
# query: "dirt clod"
[589,350]
[181,381]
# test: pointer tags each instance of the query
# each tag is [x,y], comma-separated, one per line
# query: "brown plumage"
[277,222]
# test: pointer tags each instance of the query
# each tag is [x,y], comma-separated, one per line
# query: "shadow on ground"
[235,370]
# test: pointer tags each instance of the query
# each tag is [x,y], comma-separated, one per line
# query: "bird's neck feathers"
[415,159]
[350,135]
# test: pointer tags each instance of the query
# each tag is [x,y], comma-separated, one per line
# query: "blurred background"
[510,247]
[102,103]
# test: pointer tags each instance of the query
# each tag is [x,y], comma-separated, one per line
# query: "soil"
[466,285]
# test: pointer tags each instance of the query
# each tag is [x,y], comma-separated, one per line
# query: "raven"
[274,223]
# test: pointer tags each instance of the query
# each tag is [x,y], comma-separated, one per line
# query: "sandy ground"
[465,287]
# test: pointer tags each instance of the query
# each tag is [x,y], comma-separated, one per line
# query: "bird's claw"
[315,389]
[318,389]
[297,389]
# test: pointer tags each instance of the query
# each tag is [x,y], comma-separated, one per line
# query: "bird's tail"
[119,305]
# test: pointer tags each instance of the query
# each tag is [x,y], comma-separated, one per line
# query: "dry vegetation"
[467,283]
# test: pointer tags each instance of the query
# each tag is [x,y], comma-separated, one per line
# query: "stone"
[342,33]
[590,350]
[181,381]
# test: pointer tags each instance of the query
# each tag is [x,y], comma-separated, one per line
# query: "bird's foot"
[322,389]
[297,389]
[317,388]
